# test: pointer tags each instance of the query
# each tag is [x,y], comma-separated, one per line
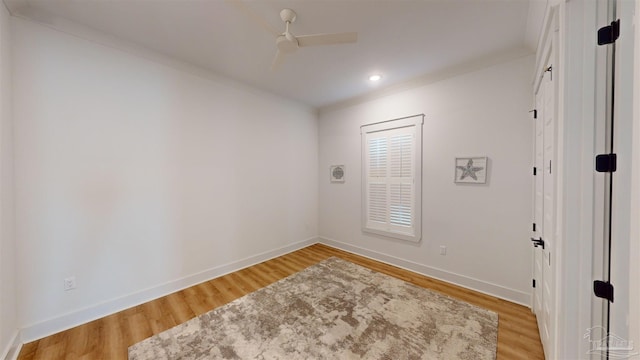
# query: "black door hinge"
[550,71]
[606,163]
[535,170]
[534,226]
[609,34]
[534,282]
[603,290]
[535,113]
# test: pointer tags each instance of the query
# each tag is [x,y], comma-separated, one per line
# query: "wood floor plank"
[113,344]
[196,299]
[178,308]
[227,288]
[110,337]
[244,282]
[267,272]
[257,277]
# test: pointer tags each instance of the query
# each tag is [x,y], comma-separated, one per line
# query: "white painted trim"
[13,349]
[578,125]
[414,233]
[75,318]
[622,223]
[67,321]
[502,292]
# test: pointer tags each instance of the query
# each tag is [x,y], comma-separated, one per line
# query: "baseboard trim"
[484,287]
[69,320]
[13,349]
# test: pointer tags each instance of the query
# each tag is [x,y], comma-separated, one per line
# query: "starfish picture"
[469,170]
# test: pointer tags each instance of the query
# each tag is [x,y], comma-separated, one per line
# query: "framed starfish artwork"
[471,170]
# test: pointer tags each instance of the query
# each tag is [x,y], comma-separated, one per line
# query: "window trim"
[417,122]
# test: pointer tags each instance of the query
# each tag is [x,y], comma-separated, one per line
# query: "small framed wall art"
[337,173]
[471,170]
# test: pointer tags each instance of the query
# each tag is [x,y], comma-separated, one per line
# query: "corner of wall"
[461,120]
[9,334]
[484,287]
[13,349]
[81,316]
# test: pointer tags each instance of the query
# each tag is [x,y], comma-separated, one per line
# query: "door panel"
[538,207]
[548,228]
[544,209]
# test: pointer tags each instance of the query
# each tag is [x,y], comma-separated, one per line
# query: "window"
[391,178]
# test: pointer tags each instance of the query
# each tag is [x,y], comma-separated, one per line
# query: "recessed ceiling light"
[375,77]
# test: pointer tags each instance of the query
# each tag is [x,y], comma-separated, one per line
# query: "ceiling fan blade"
[277,60]
[327,39]
[243,8]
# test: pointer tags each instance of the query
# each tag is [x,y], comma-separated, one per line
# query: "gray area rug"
[332,310]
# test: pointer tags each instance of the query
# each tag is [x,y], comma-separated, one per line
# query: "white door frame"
[574,25]
[578,26]
[622,222]
[578,121]
[634,257]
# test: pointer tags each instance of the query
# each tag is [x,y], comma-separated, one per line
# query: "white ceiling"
[403,40]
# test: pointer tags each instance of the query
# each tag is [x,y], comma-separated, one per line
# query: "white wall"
[8,321]
[486,228]
[131,175]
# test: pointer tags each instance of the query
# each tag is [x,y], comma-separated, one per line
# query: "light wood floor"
[109,337]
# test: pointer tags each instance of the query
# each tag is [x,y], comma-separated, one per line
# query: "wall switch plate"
[443,250]
[69,283]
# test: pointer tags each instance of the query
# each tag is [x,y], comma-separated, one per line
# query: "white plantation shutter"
[401,180]
[378,170]
[392,158]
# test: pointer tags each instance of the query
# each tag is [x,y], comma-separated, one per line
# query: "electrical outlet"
[443,250]
[69,283]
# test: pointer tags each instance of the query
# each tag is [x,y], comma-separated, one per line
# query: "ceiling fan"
[288,43]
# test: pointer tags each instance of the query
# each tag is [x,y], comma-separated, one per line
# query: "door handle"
[538,242]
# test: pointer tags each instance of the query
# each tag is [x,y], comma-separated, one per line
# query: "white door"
[549,216]
[538,206]
[544,212]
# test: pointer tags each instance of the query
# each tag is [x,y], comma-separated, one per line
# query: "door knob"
[538,242]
